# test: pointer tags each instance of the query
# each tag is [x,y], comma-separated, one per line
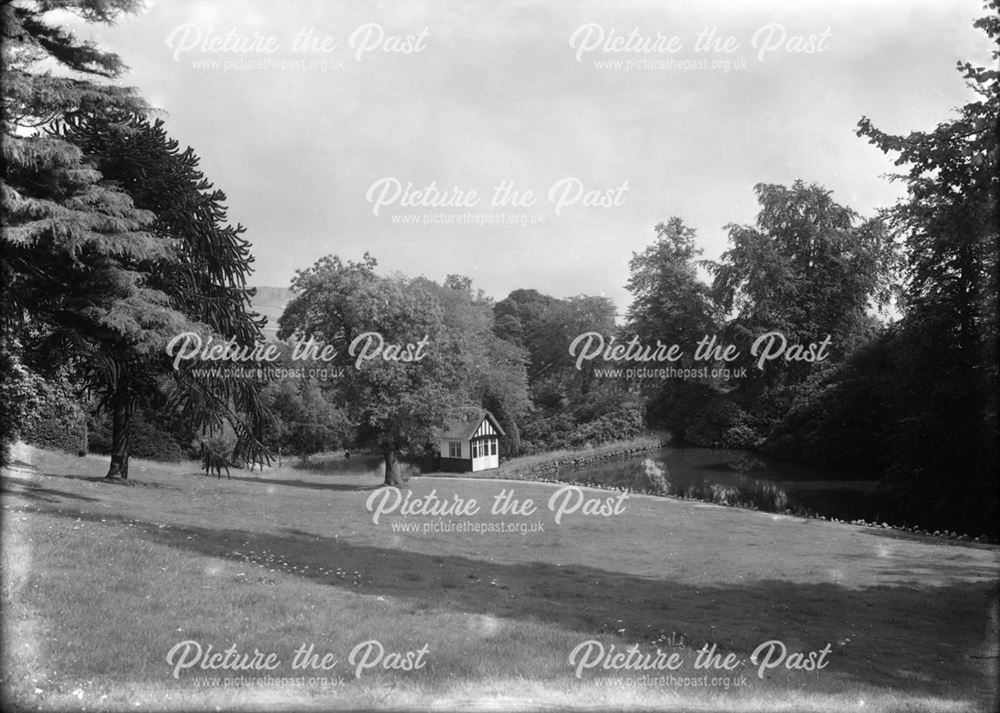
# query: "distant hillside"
[270,302]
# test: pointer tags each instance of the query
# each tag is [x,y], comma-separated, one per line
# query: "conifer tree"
[112,240]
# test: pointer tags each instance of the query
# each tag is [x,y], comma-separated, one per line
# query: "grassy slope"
[100,580]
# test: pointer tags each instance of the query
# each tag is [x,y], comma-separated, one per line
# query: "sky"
[352,127]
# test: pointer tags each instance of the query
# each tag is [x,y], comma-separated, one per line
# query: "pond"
[740,478]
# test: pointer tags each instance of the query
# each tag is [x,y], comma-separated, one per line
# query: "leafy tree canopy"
[669,302]
[808,268]
[426,349]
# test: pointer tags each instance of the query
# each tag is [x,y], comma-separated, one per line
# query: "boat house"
[470,441]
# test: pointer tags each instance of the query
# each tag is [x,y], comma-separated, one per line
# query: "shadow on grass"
[913,636]
[132,482]
[360,464]
[32,491]
[313,485]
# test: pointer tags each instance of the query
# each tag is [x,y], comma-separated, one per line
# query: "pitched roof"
[461,423]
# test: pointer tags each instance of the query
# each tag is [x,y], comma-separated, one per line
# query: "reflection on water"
[741,479]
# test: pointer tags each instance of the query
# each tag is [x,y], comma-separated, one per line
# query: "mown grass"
[100,580]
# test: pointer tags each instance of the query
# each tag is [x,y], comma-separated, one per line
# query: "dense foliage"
[566,406]
[113,242]
[57,421]
[942,386]
[410,351]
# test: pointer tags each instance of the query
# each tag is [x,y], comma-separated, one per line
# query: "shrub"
[714,421]
[622,423]
[741,435]
[59,422]
[545,432]
[675,404]
[20,397]
[147,438]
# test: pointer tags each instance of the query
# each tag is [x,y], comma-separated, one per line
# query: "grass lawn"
[101,581]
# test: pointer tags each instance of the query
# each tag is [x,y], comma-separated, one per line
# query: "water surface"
[741,478]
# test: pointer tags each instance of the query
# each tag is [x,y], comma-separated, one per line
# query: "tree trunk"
[514,438]
[120,414]
[392,478]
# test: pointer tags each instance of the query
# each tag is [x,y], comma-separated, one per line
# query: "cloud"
[496,93]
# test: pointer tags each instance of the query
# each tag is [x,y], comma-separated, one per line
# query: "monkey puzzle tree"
[58,214]
[103,269]
[204,278]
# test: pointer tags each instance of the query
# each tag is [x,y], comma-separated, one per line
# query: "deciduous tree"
[669,302]
[402,392]
[808,267]
[943,437]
